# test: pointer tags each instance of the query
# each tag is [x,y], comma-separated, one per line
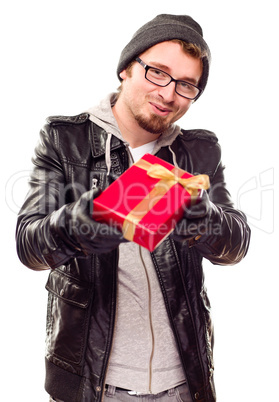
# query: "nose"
[168,93]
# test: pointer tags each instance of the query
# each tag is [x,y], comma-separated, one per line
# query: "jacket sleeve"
[39,247]
[227,239]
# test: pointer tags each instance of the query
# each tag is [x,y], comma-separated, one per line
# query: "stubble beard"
[154,124]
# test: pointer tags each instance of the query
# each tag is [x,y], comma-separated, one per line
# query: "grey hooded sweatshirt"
[144,356]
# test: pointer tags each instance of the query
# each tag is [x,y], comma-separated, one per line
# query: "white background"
[60,57]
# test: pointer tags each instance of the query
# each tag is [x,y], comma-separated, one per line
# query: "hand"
[196,220]
[89,235]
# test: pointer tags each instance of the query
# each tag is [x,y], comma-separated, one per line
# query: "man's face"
[155,108]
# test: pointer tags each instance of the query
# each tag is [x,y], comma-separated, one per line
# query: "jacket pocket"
[67,317]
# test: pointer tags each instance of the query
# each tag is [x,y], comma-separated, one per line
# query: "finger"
[106,232]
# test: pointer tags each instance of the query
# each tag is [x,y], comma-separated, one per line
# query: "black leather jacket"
[82,289]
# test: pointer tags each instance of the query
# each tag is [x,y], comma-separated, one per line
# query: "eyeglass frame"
[147,67]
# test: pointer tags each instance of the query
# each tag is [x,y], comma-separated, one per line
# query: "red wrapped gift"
[148,199]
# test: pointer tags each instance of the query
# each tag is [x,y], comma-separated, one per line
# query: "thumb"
[86,200]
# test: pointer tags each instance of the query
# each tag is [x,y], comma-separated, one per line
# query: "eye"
[186,88]
[157,74]
[185,85]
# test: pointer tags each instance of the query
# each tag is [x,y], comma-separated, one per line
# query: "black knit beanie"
[162,28]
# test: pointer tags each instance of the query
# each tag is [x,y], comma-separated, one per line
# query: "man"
[124,323]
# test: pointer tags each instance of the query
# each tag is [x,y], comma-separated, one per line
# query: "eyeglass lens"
[161,78]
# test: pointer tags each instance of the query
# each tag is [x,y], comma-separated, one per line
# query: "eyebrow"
[166,68]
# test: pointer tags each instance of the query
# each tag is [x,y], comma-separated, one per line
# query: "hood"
[103,116]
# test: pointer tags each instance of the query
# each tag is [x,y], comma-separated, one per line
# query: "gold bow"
[192,184]
[167,180]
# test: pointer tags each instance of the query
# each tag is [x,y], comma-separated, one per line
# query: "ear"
[123,74]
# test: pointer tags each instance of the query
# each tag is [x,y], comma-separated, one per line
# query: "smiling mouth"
[161,110]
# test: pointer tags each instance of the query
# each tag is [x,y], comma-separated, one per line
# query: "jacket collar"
[98,139]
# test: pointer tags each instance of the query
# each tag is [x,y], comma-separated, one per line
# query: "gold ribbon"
[168,178]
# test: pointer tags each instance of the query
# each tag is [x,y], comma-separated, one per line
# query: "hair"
[189,48]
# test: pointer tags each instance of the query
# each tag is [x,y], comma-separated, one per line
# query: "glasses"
[163,79]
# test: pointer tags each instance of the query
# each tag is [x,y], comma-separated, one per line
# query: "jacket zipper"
[198,278]
[112,335]
[150,320]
